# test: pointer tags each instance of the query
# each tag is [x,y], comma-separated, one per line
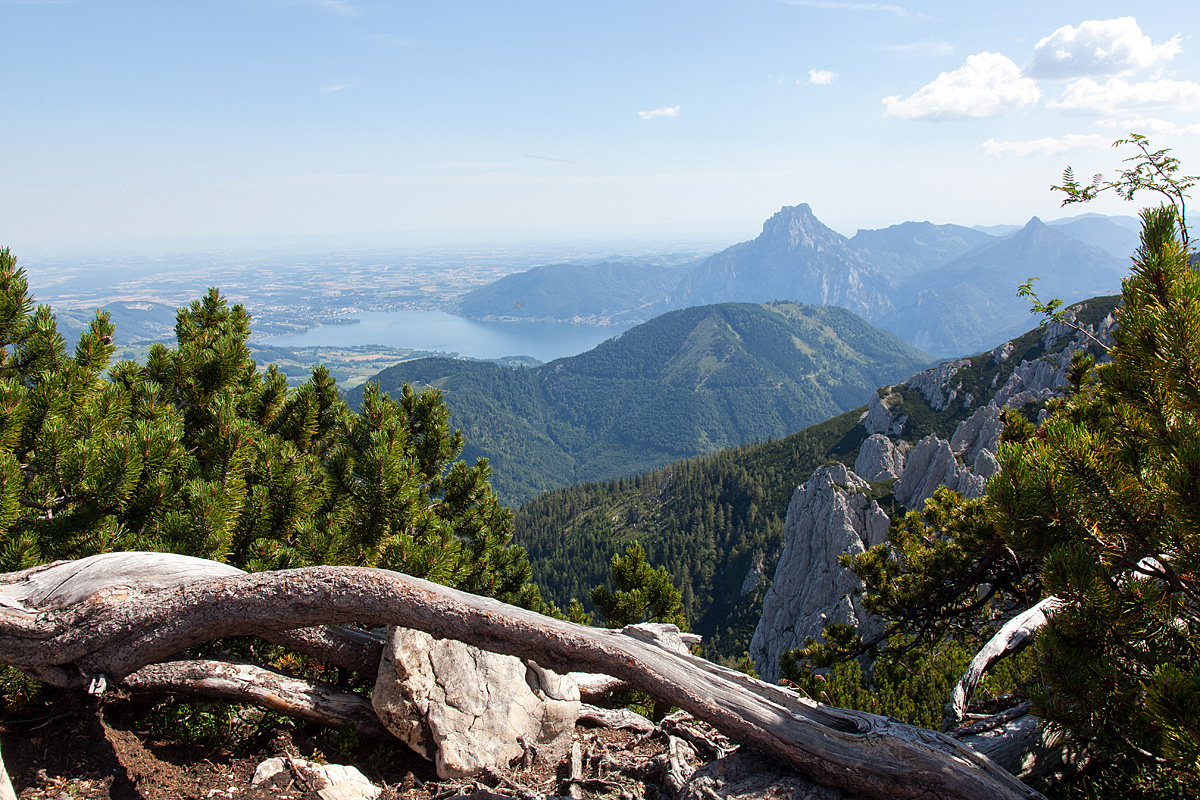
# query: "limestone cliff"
[833,514]
[829,516]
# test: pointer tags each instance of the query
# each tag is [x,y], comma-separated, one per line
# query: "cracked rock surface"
[468,710]
[829,516]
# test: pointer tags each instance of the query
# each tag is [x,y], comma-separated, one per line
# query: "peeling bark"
[111,624]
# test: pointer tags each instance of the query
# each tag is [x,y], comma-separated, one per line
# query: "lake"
[437,330]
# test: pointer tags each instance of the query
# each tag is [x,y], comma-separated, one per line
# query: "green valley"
[683,384]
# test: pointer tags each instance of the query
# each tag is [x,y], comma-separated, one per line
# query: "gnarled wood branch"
[93,617]
[247,683]
[1013,637]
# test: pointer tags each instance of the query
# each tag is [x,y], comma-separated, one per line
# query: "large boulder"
[831,515]
[467,709]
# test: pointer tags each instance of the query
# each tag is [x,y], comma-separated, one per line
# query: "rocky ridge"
[900,464]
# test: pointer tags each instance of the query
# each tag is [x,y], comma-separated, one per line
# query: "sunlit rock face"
[467,709]
[829,516]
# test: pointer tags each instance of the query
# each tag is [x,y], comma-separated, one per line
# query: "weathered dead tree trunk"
[247,683]
[1013,637]
[95,617]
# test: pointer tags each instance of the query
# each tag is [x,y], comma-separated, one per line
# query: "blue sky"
[509,120]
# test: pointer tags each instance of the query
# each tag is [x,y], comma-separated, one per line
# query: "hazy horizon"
[538,121]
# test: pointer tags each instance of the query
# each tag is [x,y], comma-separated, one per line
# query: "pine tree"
[1099,506]
[200,452]
[639,593]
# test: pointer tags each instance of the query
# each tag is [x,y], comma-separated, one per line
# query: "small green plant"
[18,691]
[345,741]
[190,723]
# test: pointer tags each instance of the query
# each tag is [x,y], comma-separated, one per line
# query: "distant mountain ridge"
[685,383]
[795,258]
[972,299]
[946,289]
[909,248]
[608,292]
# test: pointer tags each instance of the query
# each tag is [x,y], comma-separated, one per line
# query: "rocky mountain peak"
[797,226]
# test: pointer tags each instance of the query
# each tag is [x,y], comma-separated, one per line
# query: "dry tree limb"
[594,686]
[1013,637]
[614,718]
[115,628]
[994,721]
[1025,746]
[315,701]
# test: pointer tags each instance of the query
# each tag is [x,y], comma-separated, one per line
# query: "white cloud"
[335,87]
[1099,47]
[840,5]
[821,77]
[1048,145]
[986,85]
[345,7]
[1116,94]
[1156,127]
[926,48]
[665,111]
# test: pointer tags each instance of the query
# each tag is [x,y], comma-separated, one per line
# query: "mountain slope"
[716,521]
[608,292]
[795,258]
[685,383]
[1117,236]
[971,303]
[904,250]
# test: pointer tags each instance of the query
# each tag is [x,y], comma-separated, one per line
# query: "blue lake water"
[437,330]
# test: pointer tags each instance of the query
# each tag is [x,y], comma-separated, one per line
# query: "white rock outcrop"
[829,516]
[934,384]
[976,439]
[880,418]
[331,781]
[931,464]
[467,709]
[880,458]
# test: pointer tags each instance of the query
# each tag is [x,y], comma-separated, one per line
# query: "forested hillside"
[608,292]
[716,522]
[686,383]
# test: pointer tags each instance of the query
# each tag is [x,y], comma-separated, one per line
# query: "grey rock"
[931,464]
[935,384]
[985,465]
[467,709]
[754,576]
[750,775]
[977,434]
[1043,377]
[1001,353]
[331,781]
[829,516]
[879,459]
[880,418]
